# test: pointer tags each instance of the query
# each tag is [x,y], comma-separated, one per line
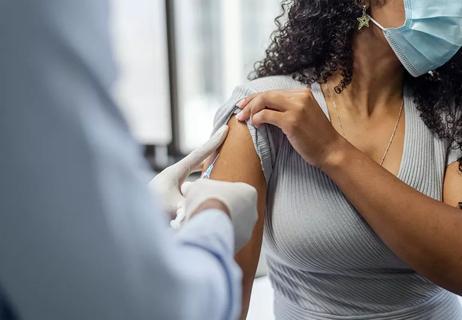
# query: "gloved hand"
[167,184]
[239,198]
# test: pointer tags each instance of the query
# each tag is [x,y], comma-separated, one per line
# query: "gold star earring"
[364,19]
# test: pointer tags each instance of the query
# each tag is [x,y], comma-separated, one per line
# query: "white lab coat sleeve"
[80,235]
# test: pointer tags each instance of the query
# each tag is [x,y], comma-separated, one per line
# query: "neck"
[377,74]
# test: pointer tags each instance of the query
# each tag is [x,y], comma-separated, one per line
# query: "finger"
[241,104]
[253,106]
[178,219]
[180,213]
[185,187]
[195,158]
[274,100]
[267,116]
[244,114]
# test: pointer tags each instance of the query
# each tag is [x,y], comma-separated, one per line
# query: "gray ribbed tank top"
[324,261]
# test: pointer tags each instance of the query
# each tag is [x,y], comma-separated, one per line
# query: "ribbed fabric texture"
[324,261]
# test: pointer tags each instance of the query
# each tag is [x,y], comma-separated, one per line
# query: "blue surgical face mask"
[430,36]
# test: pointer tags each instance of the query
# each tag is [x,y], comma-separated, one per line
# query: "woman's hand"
[299,116]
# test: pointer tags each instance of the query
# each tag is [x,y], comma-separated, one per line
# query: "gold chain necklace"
[393,135]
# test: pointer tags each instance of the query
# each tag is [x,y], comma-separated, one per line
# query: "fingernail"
[240,116]
[240,103]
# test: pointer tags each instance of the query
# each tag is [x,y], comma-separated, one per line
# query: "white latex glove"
[167,184]
[239,198]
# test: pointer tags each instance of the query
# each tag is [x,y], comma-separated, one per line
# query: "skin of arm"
[453,186]
[239,162]
[425,233]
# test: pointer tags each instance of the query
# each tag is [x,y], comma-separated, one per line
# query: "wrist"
[336,155]
[211,204]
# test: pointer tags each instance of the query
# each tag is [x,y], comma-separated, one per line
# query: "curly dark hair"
[316,40]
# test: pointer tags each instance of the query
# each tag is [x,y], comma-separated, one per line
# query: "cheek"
[389,13]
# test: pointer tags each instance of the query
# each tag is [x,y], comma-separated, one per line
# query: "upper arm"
[239,162]
[453,178]
[453,185]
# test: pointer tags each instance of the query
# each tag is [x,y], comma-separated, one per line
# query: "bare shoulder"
[238,161]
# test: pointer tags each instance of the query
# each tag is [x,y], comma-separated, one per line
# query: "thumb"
[186,187]
[195,158]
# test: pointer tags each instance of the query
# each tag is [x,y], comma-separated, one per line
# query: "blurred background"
[179,60]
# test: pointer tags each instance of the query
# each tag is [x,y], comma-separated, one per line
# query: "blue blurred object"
[81,235]
[6,311]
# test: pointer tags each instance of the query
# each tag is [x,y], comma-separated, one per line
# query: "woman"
[359,213]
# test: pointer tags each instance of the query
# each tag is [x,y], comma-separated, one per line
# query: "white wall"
[139,37]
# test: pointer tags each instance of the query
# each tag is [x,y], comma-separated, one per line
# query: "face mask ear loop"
[376,23]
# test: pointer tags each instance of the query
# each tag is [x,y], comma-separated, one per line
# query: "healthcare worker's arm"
[80,237]
[239,162]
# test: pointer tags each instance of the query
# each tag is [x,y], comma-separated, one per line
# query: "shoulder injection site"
[208,172]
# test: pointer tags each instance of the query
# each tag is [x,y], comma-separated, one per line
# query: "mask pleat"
[431,36]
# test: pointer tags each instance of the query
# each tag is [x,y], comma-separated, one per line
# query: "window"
[217,43]
[140,44]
